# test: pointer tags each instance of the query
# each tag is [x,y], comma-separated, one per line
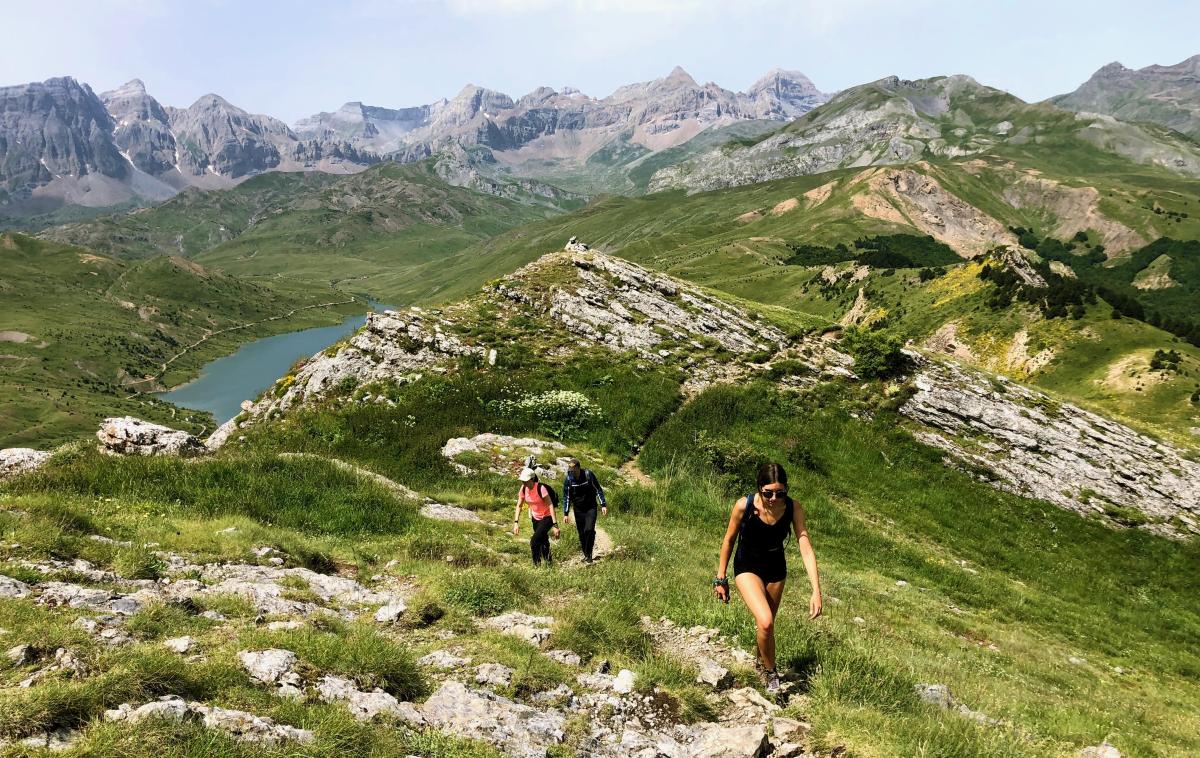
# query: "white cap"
[526,474]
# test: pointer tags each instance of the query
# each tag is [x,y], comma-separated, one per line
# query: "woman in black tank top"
[759,524]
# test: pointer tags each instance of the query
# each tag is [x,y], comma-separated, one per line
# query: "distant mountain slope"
[893,121]
[320,228]
[72,354]
[795,242]
[1164,95]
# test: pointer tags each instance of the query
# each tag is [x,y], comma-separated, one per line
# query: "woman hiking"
[760,523]
[542,502]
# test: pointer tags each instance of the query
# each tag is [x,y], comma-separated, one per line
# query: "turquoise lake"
[225,382]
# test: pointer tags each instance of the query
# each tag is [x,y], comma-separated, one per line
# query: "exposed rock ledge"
[600,299]
[1038,447]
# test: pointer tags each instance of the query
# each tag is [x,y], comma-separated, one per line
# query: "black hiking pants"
[539,543]
[585,523]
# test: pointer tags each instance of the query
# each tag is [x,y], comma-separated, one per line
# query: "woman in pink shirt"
[541,501]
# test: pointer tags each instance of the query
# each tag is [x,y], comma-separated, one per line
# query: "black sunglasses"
[772,494]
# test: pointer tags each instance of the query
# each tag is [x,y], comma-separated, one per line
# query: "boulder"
[19,460]
[268,666]
[717,741]
[390,612]
[132,436]
[517,730]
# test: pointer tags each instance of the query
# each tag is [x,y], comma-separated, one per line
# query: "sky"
[292,59]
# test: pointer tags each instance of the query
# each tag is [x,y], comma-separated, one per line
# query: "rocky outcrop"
[19,460]
[392,346]
[131,436]
[517,729]
[242,726]
[623,306]
[599,299]
[1033,445]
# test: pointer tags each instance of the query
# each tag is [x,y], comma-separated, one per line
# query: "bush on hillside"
[561,413]
[876,354]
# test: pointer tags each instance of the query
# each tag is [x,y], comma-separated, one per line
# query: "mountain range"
[63,145]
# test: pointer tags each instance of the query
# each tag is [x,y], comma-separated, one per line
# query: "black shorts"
[770,567]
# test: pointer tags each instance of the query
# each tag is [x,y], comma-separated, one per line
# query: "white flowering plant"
[559,412]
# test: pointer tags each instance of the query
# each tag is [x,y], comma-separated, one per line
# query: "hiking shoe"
[773,685]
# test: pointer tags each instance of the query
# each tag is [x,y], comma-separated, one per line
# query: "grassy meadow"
[1065,631]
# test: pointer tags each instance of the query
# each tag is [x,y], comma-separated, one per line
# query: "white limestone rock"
[20,460]
[131,436]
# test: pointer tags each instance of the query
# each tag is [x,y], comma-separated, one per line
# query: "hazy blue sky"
[291,59]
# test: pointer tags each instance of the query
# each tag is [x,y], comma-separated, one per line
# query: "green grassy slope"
[733,240]
[1065,631]
[364,230]
[80,327]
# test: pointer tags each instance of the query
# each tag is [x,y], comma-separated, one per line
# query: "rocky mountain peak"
[131,88]
[1165,95]
[680,78]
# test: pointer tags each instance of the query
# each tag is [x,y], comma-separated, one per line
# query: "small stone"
[624,681]
[859,620]
[389,613]
[1076,661]
[179,644]
[568,657]
[713,674]
[494,674]
[20,655]
[13,588]
[213,616]
[284,626]
[268,666]
[1103,750]
[716,741]
[443,660]
[901,583]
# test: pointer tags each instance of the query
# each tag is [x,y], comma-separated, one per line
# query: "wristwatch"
[721,583]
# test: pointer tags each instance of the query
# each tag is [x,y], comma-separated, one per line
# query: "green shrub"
[876,354]
[138,562]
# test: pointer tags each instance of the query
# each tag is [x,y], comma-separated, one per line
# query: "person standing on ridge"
[760,523]
[582,490]
[541,501]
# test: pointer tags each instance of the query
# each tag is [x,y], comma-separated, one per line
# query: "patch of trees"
[1165,360]
[1061,297]
[883,251]
[1168,309]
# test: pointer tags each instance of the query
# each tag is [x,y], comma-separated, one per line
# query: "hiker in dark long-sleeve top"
[582,491]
